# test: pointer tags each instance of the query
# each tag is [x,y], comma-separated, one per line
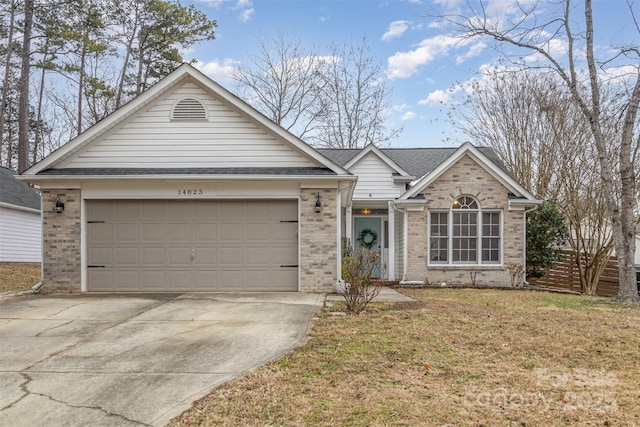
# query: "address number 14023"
[190,192]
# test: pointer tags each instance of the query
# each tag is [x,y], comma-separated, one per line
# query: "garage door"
[178,245]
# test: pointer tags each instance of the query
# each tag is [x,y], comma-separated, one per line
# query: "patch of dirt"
[457,357]
[18,276]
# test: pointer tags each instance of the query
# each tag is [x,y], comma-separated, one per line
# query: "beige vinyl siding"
[225,139]
[20,236]
[375,180]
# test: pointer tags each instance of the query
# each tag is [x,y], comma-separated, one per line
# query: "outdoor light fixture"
[366,211]
[318,206]
[59,205]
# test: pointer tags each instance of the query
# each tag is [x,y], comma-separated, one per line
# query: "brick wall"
[61,241]
[318,241]
[466,177]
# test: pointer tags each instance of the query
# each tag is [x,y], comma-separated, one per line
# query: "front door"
[367,233]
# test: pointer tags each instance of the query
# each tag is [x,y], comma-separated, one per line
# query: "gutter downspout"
[524,255]
[391,226]
[34,290]
[405,249]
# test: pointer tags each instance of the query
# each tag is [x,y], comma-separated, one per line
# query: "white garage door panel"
[181,245]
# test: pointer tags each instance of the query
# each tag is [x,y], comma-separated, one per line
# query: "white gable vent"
[189,109]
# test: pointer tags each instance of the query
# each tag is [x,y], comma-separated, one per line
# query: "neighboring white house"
[20,220]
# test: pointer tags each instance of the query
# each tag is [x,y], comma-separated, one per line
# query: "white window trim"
[449,263]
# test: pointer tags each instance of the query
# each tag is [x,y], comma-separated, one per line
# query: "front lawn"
[456,357]
[18,276]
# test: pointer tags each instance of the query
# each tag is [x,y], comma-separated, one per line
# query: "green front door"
[367,233]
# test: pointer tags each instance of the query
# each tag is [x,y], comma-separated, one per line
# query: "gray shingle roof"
[14,192]
[188,171]
[416,161]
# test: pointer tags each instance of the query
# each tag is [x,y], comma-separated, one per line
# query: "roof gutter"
[19,208]
[520,204]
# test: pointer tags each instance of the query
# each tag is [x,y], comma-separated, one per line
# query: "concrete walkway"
[88,360]
[386,295]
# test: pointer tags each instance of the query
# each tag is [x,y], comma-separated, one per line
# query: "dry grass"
[18,276]
[457,357]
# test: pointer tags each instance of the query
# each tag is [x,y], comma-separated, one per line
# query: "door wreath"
[367,238]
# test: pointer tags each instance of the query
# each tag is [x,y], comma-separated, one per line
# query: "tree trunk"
[23,87]
[83,55]
[7,69]
[37,139]
[621,213]
[625,237]
[123,73]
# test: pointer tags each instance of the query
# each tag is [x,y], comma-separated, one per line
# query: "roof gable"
[143,134]
[467,149]
[377,179]
[374,151]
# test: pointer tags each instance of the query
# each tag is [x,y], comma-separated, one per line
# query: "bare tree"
[283,82]
[532,34]
[339,100]
[530,120]
[510,110]
[354,101]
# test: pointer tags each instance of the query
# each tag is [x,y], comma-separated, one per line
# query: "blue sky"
[421,59]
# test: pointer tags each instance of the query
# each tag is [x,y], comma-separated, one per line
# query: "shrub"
[359,289]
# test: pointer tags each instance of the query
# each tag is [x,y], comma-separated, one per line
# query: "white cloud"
[246,14]
[243,7]
[436,97]
[324,18]
[396,29]
[400,107]
[213,3]
[246,10]
[448,5]
[625,74]
[218,71]
[475,50]
[439,97]
[405,64]
[555,47]
[503,9]
[409,115]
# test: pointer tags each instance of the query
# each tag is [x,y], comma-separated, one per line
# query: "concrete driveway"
[138,359]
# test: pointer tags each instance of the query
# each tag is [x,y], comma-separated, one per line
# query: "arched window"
[465,234]
[189,109]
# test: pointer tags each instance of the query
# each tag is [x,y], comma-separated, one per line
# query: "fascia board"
[186,177]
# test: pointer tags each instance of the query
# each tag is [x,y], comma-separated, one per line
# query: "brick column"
[61,241]
[318,241]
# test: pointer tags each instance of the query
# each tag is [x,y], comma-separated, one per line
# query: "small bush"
[356,272]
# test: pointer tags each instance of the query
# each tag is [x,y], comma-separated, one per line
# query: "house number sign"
[190,192]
